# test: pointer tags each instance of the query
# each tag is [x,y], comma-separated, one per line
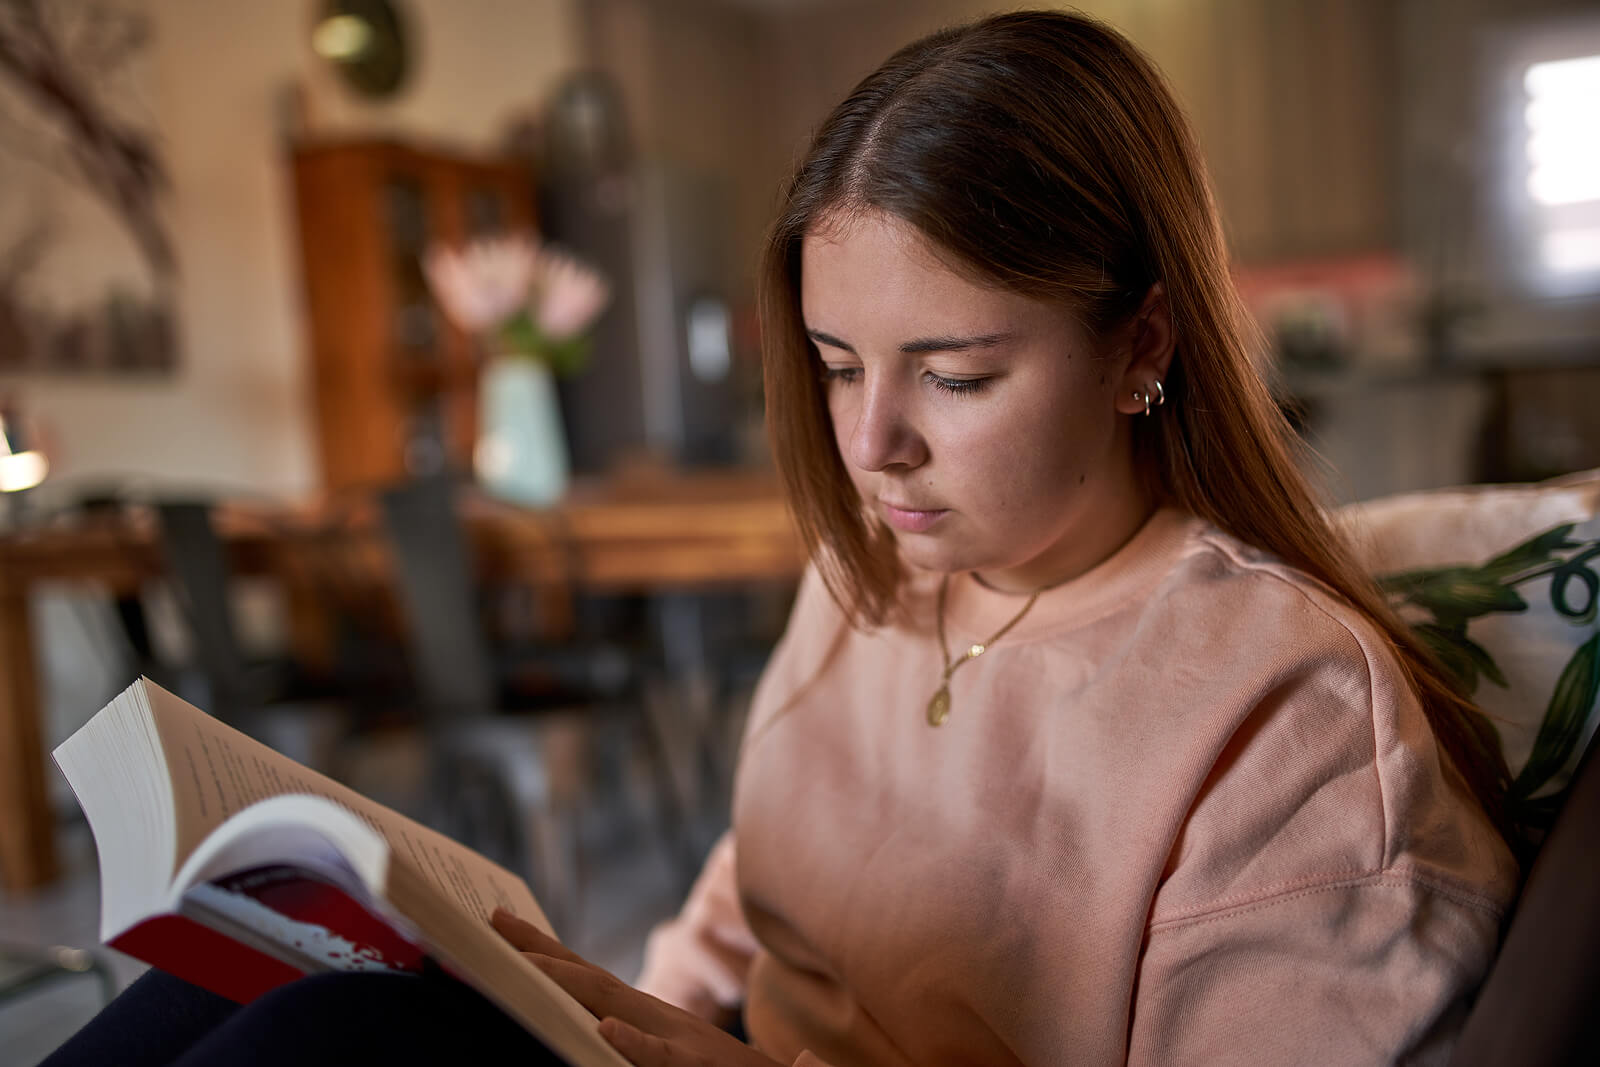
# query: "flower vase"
[521,454]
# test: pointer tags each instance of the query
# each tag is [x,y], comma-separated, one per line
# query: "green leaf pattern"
[1444,600]
[1563,721]
[1461,655]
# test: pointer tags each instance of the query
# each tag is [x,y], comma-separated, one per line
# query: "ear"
[1150,344]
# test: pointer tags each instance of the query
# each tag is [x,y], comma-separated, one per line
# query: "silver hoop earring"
[1161,394]
[1137,396]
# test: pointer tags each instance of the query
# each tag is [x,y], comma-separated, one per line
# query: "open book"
[237,869]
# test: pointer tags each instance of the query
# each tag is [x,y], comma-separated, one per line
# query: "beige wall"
[701,95]
[237,413]
[1298,105]
[1289,100]
[1329,126]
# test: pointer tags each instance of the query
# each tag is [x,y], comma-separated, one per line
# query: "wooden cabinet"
[395,383]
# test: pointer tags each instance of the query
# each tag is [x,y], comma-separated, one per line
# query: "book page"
[218,771]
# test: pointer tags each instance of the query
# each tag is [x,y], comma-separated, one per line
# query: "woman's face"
[981,425]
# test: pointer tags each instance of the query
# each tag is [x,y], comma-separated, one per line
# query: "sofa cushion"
[1502,582]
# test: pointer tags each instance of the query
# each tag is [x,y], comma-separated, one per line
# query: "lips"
[911,520]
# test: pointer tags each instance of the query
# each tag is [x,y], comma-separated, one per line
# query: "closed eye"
[961,386]
[965,386]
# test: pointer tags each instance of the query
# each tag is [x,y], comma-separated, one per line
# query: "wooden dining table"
[665,532]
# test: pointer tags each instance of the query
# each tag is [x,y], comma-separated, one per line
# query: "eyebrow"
[924,344]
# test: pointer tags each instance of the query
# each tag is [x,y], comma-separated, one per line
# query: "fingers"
[699,1045]
[646,1031]
[601,992]
[638,1047]
[527,937]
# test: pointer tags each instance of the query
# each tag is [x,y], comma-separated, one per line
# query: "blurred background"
[254,450]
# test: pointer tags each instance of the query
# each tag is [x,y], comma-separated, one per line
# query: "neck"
[1092,540]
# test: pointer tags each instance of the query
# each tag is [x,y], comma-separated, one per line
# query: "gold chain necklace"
[939,703]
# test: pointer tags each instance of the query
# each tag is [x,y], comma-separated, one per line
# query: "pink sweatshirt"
[1185,812]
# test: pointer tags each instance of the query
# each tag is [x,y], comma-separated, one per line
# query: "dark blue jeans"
[329,1019]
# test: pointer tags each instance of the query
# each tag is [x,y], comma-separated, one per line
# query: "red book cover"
[252,931]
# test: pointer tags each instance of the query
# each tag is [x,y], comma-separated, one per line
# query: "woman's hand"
[648,1032]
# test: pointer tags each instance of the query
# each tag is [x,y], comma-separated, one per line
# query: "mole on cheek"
[1081,478]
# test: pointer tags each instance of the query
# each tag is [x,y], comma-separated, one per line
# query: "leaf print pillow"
[1502,582]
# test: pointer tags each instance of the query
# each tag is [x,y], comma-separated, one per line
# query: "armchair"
[1504,583]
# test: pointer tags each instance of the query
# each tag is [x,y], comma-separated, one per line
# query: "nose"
[885,433]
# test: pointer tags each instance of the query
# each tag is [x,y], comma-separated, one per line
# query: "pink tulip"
[485,283]
[571,295]
[532,295]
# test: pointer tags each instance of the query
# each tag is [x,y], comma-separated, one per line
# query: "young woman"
[1087,742]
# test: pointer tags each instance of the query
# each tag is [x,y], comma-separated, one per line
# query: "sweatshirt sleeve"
[1334,896]
[1338,972]
[699,959]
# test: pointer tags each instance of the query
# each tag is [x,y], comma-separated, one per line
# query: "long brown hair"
[1045,153]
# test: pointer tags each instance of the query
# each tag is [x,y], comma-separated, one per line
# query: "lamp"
[21,465]
[365,40]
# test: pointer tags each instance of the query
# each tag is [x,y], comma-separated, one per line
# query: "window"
[1552,191]
[1563,159]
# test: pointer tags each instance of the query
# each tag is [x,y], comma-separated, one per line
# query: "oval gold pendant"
[939,706]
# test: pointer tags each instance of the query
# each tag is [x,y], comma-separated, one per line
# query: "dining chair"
[265,697]
[508,775]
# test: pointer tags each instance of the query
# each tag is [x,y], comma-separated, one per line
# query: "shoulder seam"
[1382,879]
[1273,569]
[839,627]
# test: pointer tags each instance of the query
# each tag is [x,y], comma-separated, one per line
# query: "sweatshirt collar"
[973,611]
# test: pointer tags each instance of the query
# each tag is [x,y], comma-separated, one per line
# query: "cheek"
[1023,463]
[840,424]
[1011,478]
[841,419]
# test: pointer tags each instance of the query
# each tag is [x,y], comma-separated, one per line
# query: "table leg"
[27,839]
[311,636]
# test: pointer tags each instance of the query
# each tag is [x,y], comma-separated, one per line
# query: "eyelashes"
[960,386]
[954,386]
